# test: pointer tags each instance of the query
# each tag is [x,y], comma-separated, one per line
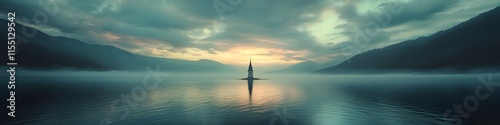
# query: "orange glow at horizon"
[236,56]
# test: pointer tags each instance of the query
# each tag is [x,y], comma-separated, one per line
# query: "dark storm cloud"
[413,10]
[281,23]
[258,23]
[418,10]
[131,18]
[405,12]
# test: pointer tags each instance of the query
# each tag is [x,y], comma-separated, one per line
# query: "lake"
[280,100]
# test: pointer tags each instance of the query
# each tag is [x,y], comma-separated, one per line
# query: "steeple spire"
[250,68]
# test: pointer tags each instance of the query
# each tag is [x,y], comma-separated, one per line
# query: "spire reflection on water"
[250,87]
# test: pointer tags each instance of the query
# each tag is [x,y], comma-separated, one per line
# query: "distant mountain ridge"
[302,67]
[471,46]
[308,66]
[45,52]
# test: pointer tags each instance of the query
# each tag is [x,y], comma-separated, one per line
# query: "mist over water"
[180,98]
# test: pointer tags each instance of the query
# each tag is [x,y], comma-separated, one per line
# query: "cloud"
[291,30]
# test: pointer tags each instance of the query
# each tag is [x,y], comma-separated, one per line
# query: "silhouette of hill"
[302,67]
[45,52]
[308,66]
[472,46]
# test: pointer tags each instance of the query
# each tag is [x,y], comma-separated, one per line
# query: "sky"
[274,33]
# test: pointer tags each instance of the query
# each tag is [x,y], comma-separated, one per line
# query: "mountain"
[472,46]
[308,66]
[45,52]
[303,67]
[333,62]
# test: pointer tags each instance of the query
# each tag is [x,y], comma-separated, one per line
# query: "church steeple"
[250,65]
[250,70]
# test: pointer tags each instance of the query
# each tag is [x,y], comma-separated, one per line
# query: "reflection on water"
[250,86]
[311,100]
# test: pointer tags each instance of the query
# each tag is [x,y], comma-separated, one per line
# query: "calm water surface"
[298,100]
